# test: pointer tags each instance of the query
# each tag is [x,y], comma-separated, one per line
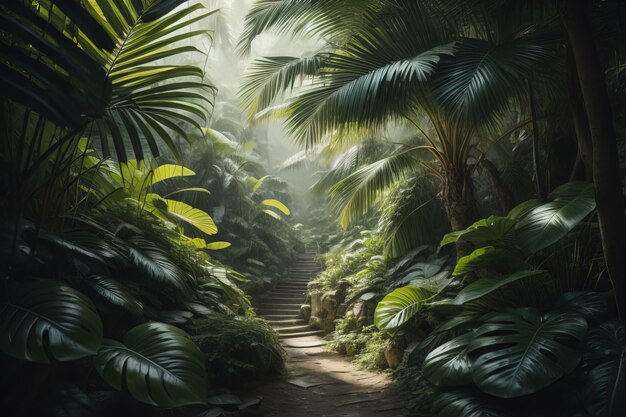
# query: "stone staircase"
[281,306]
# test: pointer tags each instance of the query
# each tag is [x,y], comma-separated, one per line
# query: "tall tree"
[606,174]
[402,60]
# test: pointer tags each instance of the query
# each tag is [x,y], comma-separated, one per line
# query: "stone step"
[287,322]
[293,295]
[279,300]
[290,293]
[272,311]
[280,317]
[288,285]
[301,334]
[288,305]
[292,329]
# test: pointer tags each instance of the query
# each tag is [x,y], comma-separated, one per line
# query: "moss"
[237,348]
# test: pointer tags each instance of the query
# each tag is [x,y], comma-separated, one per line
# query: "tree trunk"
[501,191]
[458,201]
[606,175]
[539,180]
[579,116]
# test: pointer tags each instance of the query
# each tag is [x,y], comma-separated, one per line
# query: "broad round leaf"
[399,306]
[548,223]
[604,393]
[46,317]
[449,365]
[519,352]
[157,363]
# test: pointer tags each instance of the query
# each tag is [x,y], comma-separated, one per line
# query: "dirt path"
[316,382]
[320,383]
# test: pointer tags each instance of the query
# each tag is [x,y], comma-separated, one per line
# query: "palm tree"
[404,61]
[104,73]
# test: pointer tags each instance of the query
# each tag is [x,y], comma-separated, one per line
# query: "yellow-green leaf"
[217,245]
[190,215]
[167,171]
[277,204]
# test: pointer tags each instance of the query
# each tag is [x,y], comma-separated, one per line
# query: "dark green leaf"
[157,363]
[45,318]
[519,352]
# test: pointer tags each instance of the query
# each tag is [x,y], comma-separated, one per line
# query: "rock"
[305,312]
[364,312]
[381,361]
[393,356]
[323,310]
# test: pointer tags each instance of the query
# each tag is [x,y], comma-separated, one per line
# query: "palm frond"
[268,77]
[324,18]
[480,77]
[356,194]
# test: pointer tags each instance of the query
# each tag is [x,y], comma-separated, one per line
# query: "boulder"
[393,356]
[305,312]
[364,312]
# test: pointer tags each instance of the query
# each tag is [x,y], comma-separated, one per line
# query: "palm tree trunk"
[503,194]
[458,201]
[539,180]
[581,124]
[606,175]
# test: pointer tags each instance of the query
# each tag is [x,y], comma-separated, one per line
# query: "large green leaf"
[449,365]
[157,363]
[493,229]
[45,320]
[548,223]
[520,352]
[589,304]
[605,357]
[399,306]
[496,259]
[183,212]
[486,286]
[155,264]
[467,404]
[169,171]
[113,292]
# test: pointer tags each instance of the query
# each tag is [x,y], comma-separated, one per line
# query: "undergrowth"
[237,348]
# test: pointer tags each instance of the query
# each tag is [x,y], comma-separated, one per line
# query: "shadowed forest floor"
[322,383]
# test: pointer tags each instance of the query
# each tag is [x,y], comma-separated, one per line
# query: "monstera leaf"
[449,365]
[548,223]
[467,404]
[605,355]
[520,352]
[399,306]
[157,363]
[46,320]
